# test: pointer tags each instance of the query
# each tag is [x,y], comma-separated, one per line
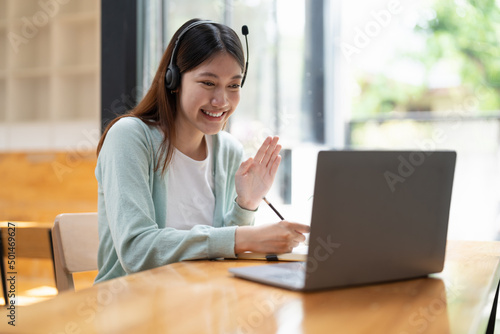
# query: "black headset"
[173,74]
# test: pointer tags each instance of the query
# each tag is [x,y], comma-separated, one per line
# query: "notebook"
[377,216]
[299,253]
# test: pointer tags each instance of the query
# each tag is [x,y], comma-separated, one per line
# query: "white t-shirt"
[190,190]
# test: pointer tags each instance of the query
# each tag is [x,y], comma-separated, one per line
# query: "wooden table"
[202,297]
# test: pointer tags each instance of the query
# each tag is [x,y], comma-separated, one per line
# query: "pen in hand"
[279,215]
[272,257]
[272,207]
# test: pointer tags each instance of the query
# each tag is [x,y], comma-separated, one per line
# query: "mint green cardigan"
[132,204]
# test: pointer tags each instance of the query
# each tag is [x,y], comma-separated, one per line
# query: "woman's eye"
[208,83]
[235,86]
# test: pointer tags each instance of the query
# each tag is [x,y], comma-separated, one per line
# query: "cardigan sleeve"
[123,171]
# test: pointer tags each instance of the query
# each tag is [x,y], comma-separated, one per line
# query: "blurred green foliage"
[465,33]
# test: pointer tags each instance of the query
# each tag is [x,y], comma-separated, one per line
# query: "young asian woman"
[172,185]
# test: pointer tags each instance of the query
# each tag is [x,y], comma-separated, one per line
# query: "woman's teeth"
[212,114]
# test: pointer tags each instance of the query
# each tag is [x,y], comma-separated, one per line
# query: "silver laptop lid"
[378,216]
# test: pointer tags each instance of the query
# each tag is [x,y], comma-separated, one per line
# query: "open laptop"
[377,216]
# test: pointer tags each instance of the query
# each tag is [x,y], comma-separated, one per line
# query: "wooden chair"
[75,242]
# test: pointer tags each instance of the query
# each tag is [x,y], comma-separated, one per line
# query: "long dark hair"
[159,106]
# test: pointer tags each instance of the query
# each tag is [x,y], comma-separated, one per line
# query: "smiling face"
[208,95]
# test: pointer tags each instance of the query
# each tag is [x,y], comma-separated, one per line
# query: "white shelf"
[85,17]
[34,72]
[30,98]
[31,49]
[81,6]
[3,93]
[75,98]
[77,70]
[3,10]
[65,33]
[67,136]
[18,9]
[52,73]
[3,50]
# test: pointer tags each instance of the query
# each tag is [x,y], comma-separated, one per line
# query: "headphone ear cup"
[172,77]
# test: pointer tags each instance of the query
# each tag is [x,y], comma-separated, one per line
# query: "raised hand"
[255,176]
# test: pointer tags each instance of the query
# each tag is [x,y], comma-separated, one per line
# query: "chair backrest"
[75,242]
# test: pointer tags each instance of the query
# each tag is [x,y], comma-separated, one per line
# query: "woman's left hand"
[255,176]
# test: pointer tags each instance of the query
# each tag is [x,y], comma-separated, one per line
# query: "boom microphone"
[244,31]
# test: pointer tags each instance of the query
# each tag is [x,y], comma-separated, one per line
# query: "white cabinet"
[49,62]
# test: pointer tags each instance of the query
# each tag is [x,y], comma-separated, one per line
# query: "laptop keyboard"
[289,272]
